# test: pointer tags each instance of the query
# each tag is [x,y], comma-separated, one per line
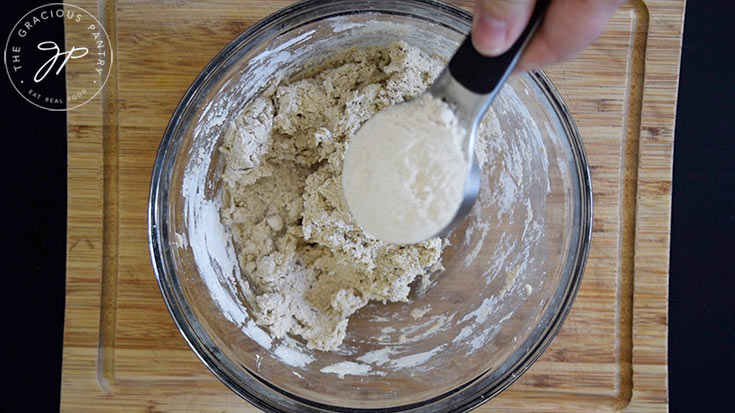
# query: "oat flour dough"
[309,264]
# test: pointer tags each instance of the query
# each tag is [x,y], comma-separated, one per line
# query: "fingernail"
[489,35]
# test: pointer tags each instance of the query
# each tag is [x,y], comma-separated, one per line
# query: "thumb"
[497,24]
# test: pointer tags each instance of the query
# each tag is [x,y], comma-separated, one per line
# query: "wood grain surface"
[122,351]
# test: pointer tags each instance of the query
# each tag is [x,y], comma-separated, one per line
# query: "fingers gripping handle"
[484,75]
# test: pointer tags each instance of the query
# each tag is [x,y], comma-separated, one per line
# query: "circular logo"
[32,60]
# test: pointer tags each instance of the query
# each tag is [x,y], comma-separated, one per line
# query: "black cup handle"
[483,75]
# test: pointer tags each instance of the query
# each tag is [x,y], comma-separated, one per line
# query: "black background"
[702,275]
[34,177]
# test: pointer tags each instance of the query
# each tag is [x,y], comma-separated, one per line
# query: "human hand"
[567,27]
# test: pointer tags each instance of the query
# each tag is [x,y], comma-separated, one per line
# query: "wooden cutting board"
[122,351]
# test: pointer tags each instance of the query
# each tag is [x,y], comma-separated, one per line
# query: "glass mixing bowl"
[510,273]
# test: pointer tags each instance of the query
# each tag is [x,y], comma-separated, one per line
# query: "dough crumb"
[417,313]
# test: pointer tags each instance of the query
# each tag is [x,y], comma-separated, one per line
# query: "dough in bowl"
[308,264]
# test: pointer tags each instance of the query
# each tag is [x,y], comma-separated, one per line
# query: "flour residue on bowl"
[210,241]
[214,253]
[347,367]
